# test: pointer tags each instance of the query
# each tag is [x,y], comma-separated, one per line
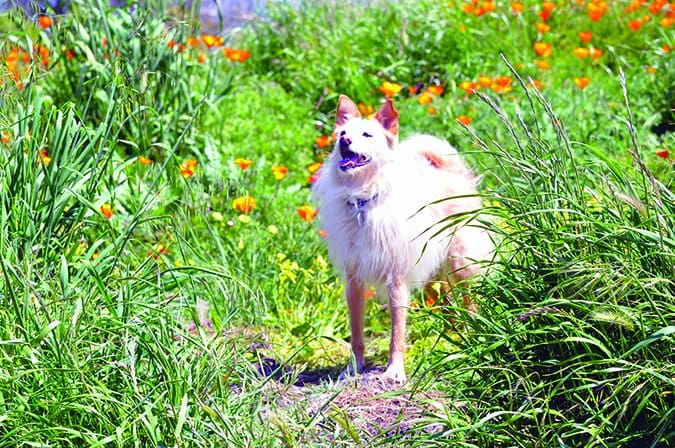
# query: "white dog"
[380,205]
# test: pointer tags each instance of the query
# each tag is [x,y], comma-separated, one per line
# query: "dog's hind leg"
[398,307]
[356,304]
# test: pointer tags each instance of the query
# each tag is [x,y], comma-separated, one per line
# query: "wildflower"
[210,40]
[244,204]
[106,210]
[635,24]
[366,111]
[596,9]
[192,41]
[484,81]
[595,53]
[502,84]
[468,87]
[279,172]
[581,52]
[188,167]
[369,293]
[45,157]
[236,55]
[667,21]
[70,55]
[307,212]
[243,163]
[542,65]
[425,98]
[244,219]
[582,82]
[543,49]
[45,22]
[390,89]
[663,153]
[436,90]
[431,110]
[650,70]
[217,216]
[585,36]
[314,167]
[546,9]
[665,49]
[464,119]
[322,141]
[6,137]
[201,58]
[517,7]
[273,229]
[543,28]
[144,160]
[171,43]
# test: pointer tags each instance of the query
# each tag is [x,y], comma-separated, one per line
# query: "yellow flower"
[243,163]
[279,172]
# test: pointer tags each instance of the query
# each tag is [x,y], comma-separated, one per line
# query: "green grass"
[180,321]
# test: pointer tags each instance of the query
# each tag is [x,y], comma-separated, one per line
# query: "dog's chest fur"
[380,232]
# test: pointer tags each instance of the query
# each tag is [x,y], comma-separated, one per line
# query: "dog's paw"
[395,373]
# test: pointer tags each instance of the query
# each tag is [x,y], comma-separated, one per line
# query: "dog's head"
[364,143]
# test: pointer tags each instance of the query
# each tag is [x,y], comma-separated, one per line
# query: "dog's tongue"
[349,162]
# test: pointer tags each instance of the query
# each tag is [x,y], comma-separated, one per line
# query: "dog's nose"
[345,142]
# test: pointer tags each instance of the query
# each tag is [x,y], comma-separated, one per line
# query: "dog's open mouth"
[351,160]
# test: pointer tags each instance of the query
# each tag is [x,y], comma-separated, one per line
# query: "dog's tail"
[436,159]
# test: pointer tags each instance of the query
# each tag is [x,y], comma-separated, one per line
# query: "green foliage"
[140,307]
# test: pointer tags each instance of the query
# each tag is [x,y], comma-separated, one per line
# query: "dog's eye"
[365,134]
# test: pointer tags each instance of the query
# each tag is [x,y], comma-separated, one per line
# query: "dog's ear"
[388,117]
[346,110]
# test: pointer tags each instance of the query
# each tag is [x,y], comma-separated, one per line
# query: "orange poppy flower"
[665,49]
[595,53]
[542,65]
[431,110]
[106,210]
[366,111]
[517,7]
[243,163]
[144,160]
[323,140]
[314,167]
[307,212]
[390,89]
[236,55]
[45,157]
[369,293]
[663,153]
[596,9]
[425,98]
[635,24]
[581,52]
[543,28]
[469,87]
[188,167]
[436,90]
[45,22]
[6,137]
[464,119]
[582,82]
[279,172]
[210,40]
[585,36]
[543,49]
[70,55]
[484,81]
[244,204]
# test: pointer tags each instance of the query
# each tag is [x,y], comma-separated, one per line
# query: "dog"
[380,205]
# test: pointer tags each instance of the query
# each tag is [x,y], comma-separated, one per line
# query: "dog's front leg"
[398,307]
[356,303]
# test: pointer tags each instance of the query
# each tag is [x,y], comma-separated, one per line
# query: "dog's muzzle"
[350,159]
